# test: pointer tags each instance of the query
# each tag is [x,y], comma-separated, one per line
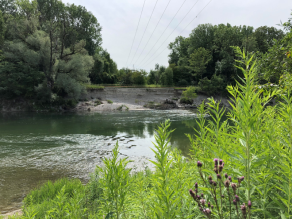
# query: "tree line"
[49,50]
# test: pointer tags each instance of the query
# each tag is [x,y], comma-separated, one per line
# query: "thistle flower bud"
[234,202]
[229,177]
[192,194]
[216,170]
[237,198]
[212,206]
[202,195]
[216,161]
[226,176]
[222,196]
[199,164]
[233,185]
[210,178]
[198,197]
[243,210]
[241,178]
[220,168]
[200,209]
[209,204]
[196,191]
[227,183]
[208,211]
[196,185]
[220,162]
[214,183]
[203,202]
[249,204]
[211,182]
[218,176]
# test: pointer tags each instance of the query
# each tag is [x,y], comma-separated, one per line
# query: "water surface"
[36,147]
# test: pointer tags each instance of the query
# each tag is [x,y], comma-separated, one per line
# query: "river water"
[36,147]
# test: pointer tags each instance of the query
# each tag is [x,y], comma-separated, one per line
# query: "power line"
[153,30]
[182,30]
[174,29]
[145,30]
[135,33]
[165,29]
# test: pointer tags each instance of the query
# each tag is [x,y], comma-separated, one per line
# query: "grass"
[97,102]
[121,107]
[94,87]
[109,101]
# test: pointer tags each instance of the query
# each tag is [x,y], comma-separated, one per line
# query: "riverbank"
[116,98]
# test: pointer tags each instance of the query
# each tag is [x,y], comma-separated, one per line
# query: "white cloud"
[119,19]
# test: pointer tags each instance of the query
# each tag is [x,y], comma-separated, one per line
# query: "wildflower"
[192,194]
[209,204]
[234,202]
[227,183]
[229,177]
[200,209]
[202,195]
[237,198]
[218,176]
[221,162]
[209,178]
[216,170]
[226,176]
[212,206]
[240,179]
[211,182]
[208,211]
[243,210]
[222,196]
[220,168]
[203,202]
[249,204]
[196,191]
[233,185]
[214,183]
[199,164]
[216,161]
[196,185]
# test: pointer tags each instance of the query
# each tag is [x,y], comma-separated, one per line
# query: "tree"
[199,60]
[265,37]
[168,78]
[2,29]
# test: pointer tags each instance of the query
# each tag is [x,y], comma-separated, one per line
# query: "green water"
[36,147]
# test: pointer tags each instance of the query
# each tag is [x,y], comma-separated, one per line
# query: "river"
[36,147]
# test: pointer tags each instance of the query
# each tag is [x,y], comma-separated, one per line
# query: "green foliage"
[109,101]
[199,60]
[214,86]
[188,95]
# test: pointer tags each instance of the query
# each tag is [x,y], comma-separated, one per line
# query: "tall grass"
[254,141]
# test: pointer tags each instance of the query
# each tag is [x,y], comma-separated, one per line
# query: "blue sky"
[119,20]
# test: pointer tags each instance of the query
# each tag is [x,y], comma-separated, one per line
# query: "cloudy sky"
[119,20]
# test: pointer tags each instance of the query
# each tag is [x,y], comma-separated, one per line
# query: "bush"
[186,100]
[182,83]
[214,86]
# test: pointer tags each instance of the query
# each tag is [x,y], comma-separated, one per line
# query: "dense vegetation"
[49,50]
[250,177]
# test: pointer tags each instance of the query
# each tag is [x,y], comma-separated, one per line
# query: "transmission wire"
[135,33]
[173,30]
[145,30]
[153,31]
[181,31]
[165,29]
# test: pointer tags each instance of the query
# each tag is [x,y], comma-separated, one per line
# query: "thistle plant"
[222,199]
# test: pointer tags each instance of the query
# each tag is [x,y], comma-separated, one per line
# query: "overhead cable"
[135,33]
[153,31]
[174,29]
[145,30]
[181,31]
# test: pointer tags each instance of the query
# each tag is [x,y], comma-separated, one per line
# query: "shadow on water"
[35,147]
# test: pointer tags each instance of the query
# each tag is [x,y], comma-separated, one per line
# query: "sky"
[163,20]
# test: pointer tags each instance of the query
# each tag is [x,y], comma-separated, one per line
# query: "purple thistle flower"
[216,170]
[234,202]
[237,198]
[216,161]
[208,211]
[210,178]
[202,195]
[233,185]
[209,204]
[222,196]
[226,176]
[220,168]
[198,197]
[227,183]
[196,185]
[199,164]
[243,210]
[214,183]
[249,204]
[200,209]
[241,178]
[212,206]
[203,202]
[220,161]
[192,194]
[229,177]
[218,176]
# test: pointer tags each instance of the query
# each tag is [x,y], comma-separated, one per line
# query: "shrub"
[109,101]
